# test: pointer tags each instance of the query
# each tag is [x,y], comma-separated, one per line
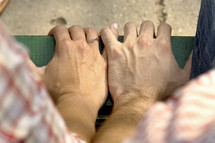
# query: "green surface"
[42,48]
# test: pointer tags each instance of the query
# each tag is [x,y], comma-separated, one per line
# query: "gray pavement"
[37,17]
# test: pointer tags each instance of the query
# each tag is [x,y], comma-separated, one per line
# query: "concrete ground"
[37,17]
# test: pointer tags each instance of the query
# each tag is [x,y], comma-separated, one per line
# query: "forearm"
[79,116]
[122,122]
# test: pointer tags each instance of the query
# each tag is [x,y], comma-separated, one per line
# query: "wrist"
[78,114]
[80,104]
[128,109]
[134,101]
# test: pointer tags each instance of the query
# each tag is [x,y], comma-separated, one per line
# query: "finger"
[130,32]
[114,29]
[187,67]
[60,33]
[108,37]
[92,34]
[164,30]
[147,28]
[77,33]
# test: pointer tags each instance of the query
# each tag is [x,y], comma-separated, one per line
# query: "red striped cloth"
[187,117]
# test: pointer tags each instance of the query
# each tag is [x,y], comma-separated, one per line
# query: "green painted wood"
[42,48]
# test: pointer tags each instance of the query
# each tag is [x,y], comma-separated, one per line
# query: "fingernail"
[115,25]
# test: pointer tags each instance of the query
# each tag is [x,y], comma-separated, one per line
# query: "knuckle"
[164,42]
[65,45]
[83,46]
[129,44]
[143,40]
[65,40]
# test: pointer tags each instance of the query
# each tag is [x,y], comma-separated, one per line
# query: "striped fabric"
[187,117]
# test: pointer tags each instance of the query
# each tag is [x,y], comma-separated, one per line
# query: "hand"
[140,70]
[77,66]
[76,78]
[142,66]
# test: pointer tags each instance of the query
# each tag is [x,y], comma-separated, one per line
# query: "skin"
[141,70]
[138,72]
[76,68]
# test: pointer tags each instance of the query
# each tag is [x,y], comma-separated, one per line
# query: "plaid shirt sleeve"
[187,117]
[27,113]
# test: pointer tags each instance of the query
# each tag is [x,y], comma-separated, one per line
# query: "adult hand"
[142,66]
[77,66]
[76,78]
[141,70]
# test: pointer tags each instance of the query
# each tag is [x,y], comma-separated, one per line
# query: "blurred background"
[37,17]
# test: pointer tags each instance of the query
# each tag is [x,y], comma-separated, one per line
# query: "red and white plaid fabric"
[187,117]
[27,113]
